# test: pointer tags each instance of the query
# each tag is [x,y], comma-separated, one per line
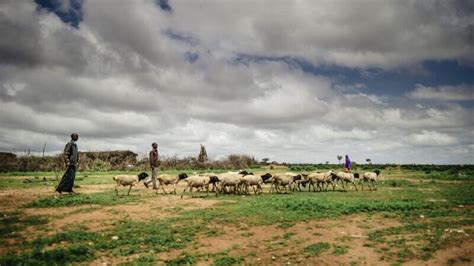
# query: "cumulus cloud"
[134,72]
[431,138]
[462,92]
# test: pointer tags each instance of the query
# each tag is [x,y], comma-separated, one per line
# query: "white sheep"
[229,180]
[253,181]
[281,180]
[214,180]
[320,179]
[197,181]
[165,179]
[345,178]
[128,180]
[371,178]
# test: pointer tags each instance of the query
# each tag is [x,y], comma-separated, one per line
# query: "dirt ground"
[260,245]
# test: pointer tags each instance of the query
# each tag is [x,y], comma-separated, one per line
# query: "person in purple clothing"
[347,165]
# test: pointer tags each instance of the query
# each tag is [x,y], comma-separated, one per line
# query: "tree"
[202,158]
[339,158]
[369,161]
[265,161]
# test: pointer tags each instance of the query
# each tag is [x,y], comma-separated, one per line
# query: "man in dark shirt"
[71,160]
[154,164]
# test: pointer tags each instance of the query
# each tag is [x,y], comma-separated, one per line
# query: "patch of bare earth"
[462,253]
[12,199]
[94,217]
[265,245]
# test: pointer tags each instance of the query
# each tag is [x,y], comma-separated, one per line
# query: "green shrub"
[99,165]
[317,248]
[183,259]
[102,198]
[74,253]
[227,261]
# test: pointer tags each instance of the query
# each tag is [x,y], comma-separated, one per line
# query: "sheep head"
[142,176]
[182,176]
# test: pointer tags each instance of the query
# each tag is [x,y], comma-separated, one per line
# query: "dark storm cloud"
[299,81]
[20,35]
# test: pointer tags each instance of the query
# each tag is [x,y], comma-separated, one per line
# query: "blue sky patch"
[71,14]
[182,37]
[191,57]
[376,80]
[164,5]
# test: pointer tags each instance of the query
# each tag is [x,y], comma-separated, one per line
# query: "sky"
[292,81]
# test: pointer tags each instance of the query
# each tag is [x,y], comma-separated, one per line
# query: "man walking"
[154,163]
[71,159]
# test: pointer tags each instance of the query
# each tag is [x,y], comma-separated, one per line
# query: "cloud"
[362,34]
[431,138]
[462,92]
[135,72]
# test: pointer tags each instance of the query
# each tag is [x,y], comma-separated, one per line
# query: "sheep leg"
[160,184]
[116,189]
[354,185]
[320,188]
[174,188]
[129,190]
[186,188]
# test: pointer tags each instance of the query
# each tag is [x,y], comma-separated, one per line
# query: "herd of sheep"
[242,181]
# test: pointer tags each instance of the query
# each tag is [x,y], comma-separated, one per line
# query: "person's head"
[347,156]
[74,136]
[154,145]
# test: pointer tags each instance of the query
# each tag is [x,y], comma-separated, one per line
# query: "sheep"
[197,181]
[345,178]
[281,180]
[298,181]
[164,179]
[128,180]
[213,180]
[267,178]
[229,180]
[253,181]
[320,178]
[371,178]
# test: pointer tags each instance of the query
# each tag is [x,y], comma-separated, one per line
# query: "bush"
[99,165]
